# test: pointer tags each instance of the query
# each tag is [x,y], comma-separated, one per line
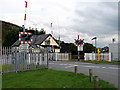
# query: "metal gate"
[16,60]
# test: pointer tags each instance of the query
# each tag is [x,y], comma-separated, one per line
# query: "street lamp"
[95,43]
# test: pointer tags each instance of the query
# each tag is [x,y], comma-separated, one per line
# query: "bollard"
[96,82]
[76,70]
[90,75]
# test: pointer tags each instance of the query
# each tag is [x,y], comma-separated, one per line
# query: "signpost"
[24,39]
[79,43]
[95,43]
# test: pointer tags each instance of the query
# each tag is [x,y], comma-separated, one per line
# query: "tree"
[13,35]
[72,48]
[42,31]
[88,48]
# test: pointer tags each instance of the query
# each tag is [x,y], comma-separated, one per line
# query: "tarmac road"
[105,72]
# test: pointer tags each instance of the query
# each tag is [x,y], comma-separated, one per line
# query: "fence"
[94,56]
[59,56]
[76,56]
[15,60]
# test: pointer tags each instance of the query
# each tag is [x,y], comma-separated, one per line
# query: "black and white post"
[78,51]
[79,43]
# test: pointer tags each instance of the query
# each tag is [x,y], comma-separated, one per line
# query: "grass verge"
[46,78]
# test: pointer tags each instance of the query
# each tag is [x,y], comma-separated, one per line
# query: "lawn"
[46,78]
[104,62]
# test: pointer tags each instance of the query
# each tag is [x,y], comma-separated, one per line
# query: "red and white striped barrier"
[21,33]
[52,35]
[25,15]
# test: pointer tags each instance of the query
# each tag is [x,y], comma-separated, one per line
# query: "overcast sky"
[69,17]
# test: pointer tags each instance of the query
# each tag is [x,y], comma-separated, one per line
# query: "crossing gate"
[16,60]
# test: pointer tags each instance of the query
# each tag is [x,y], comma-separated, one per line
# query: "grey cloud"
[98,19]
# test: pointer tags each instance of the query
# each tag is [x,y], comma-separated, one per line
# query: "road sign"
[25,37]
[24,47]
[79,42]
[80,48]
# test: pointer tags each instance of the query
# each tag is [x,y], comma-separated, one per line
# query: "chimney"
[29,28]
[32,28]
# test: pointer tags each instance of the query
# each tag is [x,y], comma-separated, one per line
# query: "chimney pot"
[29,28]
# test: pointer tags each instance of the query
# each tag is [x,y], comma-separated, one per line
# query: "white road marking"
[75,65]
[63,64]
[92,66]
[113,68]
[70,66]
[103,67]
[85,63]
[76,62]
[51,63]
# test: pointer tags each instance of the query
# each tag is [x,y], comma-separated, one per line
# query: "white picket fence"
[94,56]
[58,56]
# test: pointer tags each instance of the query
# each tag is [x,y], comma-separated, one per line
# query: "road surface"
[105,72]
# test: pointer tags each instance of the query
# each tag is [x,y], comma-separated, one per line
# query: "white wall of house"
[113,49]
[52,41]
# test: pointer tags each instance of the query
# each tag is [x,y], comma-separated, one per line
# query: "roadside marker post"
[98,53]
[90,75]
[96,82]
[75,70]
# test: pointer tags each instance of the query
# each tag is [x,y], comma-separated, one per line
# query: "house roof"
[36,39]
